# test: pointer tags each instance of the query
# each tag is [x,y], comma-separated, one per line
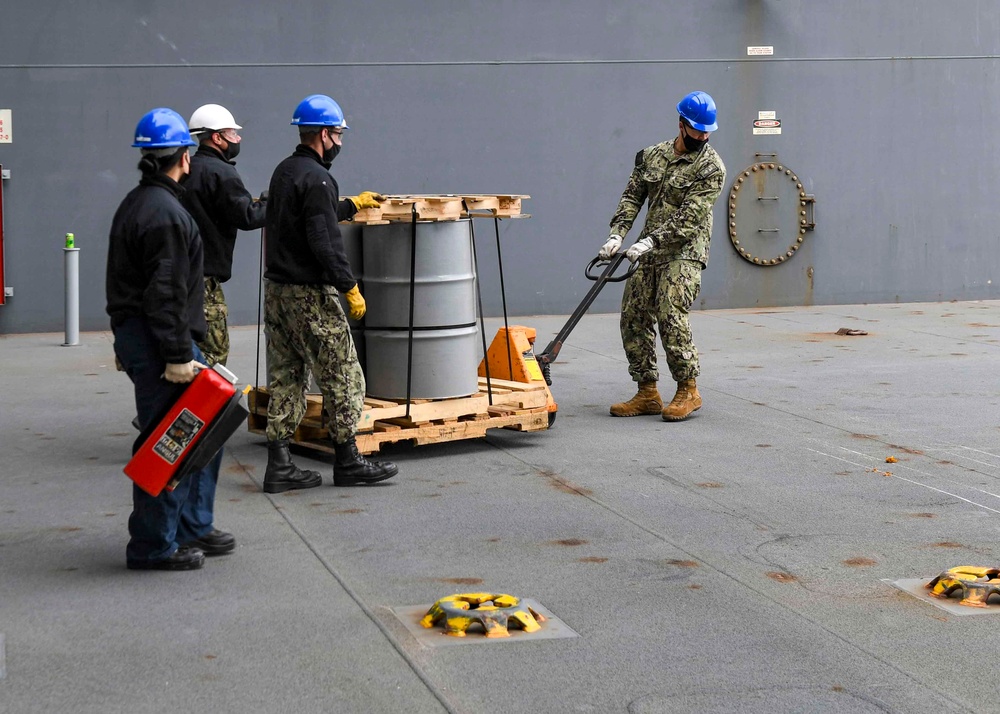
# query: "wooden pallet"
[516,405]
[442,207]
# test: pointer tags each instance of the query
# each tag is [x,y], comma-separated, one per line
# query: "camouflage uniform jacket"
[681,188]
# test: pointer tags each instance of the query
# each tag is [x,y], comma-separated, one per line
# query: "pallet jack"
[511,354]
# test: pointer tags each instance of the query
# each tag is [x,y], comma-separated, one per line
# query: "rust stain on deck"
[859,562]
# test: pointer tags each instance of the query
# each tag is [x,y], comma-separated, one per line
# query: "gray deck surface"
[732,562]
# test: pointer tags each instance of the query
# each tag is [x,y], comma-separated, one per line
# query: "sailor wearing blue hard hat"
[306,267]
[154,298]
[681,180]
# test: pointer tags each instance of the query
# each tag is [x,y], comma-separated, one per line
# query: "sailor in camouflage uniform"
[681,180]
[220,204]
[306,328]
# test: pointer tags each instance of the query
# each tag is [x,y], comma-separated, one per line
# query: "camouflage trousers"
[307,330]
[215,346]
[659,296]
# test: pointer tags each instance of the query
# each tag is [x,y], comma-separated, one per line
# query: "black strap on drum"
[479,301]
[503,297]
[260,287]
[413,292]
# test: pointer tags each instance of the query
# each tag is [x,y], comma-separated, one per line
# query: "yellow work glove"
[366,199]
[356,303]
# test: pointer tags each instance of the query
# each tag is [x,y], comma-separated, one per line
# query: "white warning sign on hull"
[767,126]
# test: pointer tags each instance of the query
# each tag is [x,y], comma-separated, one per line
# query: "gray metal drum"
[446,346]
[444,363]
[351,233]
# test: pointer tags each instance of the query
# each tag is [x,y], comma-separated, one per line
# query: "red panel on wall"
[2,283]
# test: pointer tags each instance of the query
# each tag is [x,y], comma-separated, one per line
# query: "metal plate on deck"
[917,588]
[410,615]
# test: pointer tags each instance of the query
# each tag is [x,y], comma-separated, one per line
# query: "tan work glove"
[609,249]
[366,199]
[184,372]
[356,303]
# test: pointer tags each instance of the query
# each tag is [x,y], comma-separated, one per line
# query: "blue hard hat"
[319,110]
[161,129]
[699,110]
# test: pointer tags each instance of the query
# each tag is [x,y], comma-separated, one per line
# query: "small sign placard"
[5,129]
[766,123]
[759,51]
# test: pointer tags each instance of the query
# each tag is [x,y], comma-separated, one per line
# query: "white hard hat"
[212,117]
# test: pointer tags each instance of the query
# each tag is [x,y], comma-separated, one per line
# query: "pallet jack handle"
[547,357]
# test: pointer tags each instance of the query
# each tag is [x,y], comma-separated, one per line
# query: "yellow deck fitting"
[975,583]
[494,612]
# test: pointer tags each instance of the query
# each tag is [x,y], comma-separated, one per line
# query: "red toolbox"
[191,433]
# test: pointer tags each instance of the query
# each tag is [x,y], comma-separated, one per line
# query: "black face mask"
[330,154]
[232,151]
[691,144]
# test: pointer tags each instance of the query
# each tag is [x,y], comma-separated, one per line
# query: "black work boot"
[282,474]
[352,469]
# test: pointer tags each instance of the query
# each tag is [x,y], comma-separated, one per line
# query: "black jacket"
[215,195]
[155,267]
[304,245]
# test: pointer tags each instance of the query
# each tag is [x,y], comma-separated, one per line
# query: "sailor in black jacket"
[305,324]
[220,203]
[154,297]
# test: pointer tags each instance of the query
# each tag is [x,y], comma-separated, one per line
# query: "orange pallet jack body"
[191,433]
[511,356]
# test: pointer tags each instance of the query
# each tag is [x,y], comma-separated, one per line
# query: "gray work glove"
[184,372]
[611,247]
[640,248]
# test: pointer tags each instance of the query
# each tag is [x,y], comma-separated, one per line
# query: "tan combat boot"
[686,400]
[646,401]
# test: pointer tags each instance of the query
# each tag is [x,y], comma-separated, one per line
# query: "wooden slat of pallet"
[383,409]
[428,208]
[533,420]
[510,206]
[481,203]
[470,427]
[509,384]
[502,205]
[507,396]
[258,399]
[442,207]
[520,394]
[379,403]
[426,411]
[369,217]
